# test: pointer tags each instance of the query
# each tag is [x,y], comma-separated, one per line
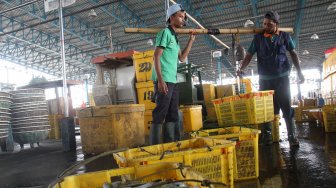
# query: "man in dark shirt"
[274,69]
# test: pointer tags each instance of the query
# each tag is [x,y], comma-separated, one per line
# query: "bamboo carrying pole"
[201,27]
[205,31]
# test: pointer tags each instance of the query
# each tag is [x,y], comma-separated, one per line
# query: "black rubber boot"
[291,132]
[179,127]
[169,132]
[266,131]
[155,134]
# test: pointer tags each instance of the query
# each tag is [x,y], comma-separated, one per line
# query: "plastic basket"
[329,118]
[211,157]
[275,129]
[4,111]
[28,91]
[4,116]
[148,173]
[246,157]
[245,109]
[224,111]
[30,113]
[5,103]
[3,134]
[5,95]
[303,115]
[28,99]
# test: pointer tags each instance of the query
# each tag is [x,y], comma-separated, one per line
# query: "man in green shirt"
[166,57]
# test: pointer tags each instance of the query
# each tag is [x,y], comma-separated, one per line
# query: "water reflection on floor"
[311,165]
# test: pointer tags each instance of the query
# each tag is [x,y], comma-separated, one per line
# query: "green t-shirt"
[167,39]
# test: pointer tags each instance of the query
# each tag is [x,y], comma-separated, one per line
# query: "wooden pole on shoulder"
[205,31]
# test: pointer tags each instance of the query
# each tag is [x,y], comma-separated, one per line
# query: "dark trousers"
[281,97]
[166,109]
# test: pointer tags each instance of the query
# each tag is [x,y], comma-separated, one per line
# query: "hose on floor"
[74,167]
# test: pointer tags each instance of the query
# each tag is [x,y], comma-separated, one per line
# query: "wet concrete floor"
[312,165]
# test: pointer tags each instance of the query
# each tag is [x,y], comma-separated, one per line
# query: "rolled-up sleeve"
[290,46]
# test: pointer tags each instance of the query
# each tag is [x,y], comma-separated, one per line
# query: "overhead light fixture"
[150,42]
[305,52]
[217,54]
[314,37]
[92,13]
[248,23]
[332,7]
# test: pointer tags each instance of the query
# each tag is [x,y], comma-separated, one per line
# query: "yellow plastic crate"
[192,118]
[245,109]
[211,113]
[104,128]
[148,173]
[302,114]
[329,118]
[254,108]
[143,69]
[208,92]
[275,128]
[248,84]
[224,111]
[141,55]
[225,90]
[55,132]
[148,121]
[145,92]
[246,156]
[211,157]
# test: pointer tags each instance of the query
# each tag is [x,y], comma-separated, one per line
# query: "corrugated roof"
[88,37]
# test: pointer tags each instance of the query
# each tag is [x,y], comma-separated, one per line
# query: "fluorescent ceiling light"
[150,42]
[248,23]
[314,37]
[92,13]
[332,7]
[305,52]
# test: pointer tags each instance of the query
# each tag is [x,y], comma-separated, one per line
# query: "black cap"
[273,15]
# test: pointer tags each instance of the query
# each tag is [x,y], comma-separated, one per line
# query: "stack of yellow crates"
[225,90]
[329,118]
[54,120]
[143,64]
[329,79]
[209,95]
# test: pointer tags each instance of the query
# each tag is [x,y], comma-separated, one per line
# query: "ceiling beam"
[298,19]
[255,12]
